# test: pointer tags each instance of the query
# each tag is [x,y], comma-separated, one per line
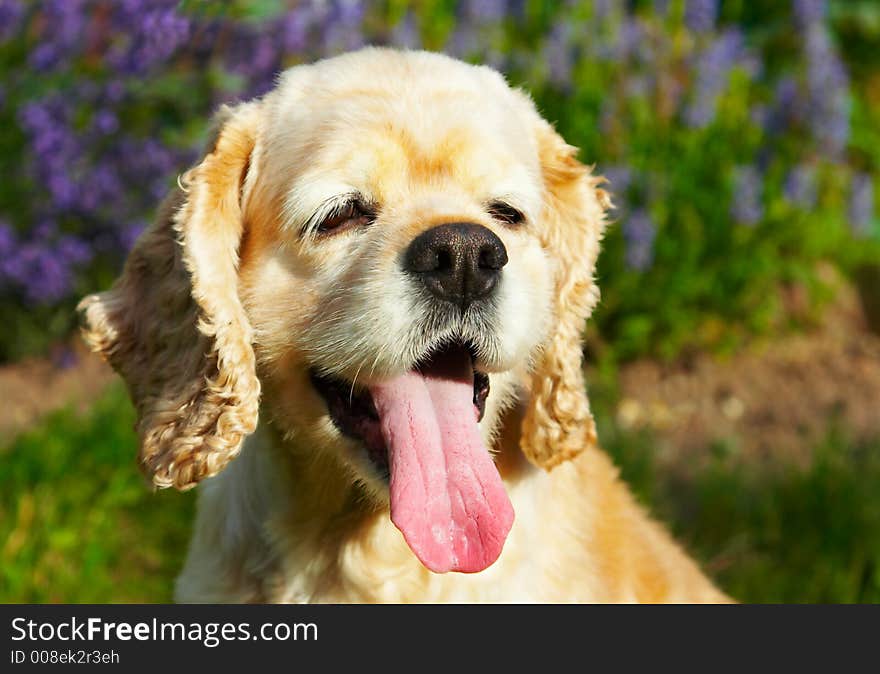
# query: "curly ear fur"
[558,424]
[173,325]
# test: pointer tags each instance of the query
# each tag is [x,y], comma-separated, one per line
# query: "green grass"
[79,524]
[772,532]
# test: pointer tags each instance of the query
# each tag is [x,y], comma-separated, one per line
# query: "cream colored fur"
[232,297]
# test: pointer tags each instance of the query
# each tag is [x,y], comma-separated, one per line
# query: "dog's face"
[391,245]
[394,214]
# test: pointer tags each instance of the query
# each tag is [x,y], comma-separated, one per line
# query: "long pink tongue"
[446,495]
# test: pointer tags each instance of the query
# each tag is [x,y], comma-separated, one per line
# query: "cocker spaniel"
[388,260]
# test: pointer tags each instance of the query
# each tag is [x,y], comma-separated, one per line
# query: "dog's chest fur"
[256,541]
[577,537]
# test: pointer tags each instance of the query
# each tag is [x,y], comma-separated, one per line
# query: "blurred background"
[734,362]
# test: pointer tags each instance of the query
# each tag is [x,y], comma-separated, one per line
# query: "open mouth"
[421,430]
[354,412]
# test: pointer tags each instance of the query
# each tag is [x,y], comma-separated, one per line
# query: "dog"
[388,259]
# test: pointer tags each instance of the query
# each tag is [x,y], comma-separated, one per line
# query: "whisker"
[353,381]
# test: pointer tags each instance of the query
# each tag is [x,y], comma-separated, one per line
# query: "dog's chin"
[353,411]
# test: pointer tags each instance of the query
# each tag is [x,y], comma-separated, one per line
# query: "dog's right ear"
[173,325]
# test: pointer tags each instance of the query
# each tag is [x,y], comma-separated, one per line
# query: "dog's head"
[393,247]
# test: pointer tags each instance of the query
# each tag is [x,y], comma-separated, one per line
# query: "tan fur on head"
[558,424]
[173,325]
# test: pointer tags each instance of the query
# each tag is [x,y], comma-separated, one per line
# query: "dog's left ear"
[558,423]
[173,325]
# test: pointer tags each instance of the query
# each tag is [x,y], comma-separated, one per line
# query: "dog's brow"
[309,201]
[329,206]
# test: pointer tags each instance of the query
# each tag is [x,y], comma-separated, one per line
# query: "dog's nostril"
[492,258]
[458,262]
[444,260]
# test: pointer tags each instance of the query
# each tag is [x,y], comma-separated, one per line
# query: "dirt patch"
[33,387]
[777,398]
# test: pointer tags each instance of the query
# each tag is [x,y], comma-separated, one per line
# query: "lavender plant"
[103,104]
[727,135]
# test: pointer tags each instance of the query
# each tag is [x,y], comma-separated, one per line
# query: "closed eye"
[505,213]
[349,214]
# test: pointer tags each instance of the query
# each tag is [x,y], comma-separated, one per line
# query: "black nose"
[458,262]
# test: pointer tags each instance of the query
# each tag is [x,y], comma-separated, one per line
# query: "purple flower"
[827,92]
[11,13]
[57,150]
[661,7]
[861,204]
[129,234]
[713,66]
[759,115]
[464,42]
[602,8]
[629,36]
[295,28]
[638,85]
[485,11]
[114,91]
[343,26]
[73,251]
[65,22]
[619,178]
[639,232]
[406,33]
[786,94]
[105,184]
[150,33]
[44,57]
[700,15]
[809,11]
[8,240]
[800,186]
[105,121]
[788,105]
[558,54]
[255,54]
[42,275]
[43,266]
[44,231]
[746,207]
